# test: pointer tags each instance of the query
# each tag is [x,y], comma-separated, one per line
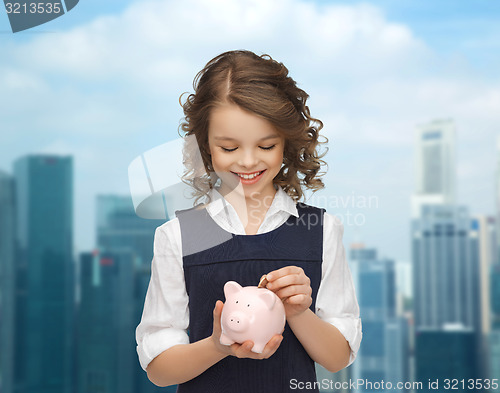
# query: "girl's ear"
[231,287]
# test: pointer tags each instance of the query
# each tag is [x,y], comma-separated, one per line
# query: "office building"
[105,330]
[384,352]
[497,201]
[114,279]
[119,228]
[446,353]
[494,352]
[435,164]
[44,269]
[495,296]
[397,349]
[445,268]
[494,336]
[404,291]
[450,255]
[7,280]
[483,231]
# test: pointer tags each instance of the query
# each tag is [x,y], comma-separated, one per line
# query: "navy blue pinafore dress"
[213,256]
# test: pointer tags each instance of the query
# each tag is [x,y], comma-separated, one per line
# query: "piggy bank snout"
[237,321]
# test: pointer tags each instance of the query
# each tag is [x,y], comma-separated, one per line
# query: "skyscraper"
[445,268]
[447,295]
[497,201]
[494,337]
[44,270]
[484,233]
[447,353]
[105,327]
[383,355]
[7,279]
[484,230]
[435,164]
[114,280]
[119,228]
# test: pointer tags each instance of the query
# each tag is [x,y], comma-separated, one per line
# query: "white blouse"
[165,318]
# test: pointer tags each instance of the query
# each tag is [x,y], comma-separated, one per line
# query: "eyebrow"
[226,138]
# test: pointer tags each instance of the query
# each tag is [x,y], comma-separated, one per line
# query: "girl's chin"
[248,191]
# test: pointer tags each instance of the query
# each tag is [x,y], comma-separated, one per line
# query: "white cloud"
[108,90]
[164,32]
[120,74]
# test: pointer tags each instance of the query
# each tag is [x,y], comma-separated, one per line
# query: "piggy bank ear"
[231,287]
[268,298]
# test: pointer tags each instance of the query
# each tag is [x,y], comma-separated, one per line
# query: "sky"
[102,83]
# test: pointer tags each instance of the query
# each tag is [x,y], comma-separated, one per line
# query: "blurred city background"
[409,93]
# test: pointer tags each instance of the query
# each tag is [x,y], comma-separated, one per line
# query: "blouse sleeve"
[336,301]
[165,317]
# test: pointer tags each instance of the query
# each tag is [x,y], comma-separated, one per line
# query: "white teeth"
[249,177]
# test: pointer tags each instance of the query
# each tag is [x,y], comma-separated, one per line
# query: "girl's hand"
[293,287]
[240,350]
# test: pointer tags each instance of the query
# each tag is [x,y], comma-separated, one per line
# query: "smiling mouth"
[248,176]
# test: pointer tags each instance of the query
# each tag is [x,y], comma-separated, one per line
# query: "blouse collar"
[281,202]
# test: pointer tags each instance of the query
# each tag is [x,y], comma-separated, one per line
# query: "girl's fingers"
[245,350]
[284,271]
[272,346]
[290,279]
[299,299]
[293,290]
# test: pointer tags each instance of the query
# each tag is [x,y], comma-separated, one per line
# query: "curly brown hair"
[259,85]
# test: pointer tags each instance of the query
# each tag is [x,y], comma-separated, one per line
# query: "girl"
[258,146]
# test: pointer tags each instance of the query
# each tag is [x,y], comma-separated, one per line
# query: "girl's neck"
[251,209]
[256,200]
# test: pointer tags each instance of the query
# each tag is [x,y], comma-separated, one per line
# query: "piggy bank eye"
[236,301]
[248,305]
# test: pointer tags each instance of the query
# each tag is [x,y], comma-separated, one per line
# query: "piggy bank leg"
[225,340]
[258,348]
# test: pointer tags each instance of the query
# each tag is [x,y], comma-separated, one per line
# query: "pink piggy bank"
[251,313]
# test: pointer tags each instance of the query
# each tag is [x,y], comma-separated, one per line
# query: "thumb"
[217,313]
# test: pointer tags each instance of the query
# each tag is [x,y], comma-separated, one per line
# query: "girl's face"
[246,150]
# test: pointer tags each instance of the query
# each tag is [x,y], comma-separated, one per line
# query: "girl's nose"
[248,159]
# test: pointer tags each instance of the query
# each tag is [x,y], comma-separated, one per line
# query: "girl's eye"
[262,147]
